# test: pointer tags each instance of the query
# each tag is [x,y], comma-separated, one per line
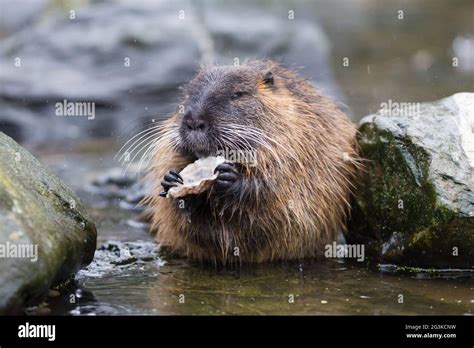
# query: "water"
[327,288]
[129,278]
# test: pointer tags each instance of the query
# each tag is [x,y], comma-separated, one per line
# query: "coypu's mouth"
[197,144]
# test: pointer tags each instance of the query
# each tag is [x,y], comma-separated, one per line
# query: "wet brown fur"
[293,206]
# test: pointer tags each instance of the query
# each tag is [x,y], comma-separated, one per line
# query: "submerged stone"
[416,203]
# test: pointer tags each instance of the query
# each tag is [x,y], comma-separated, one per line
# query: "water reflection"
[325,288]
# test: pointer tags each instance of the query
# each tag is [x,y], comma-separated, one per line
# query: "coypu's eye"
[237,95]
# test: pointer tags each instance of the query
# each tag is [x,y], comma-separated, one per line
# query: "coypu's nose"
[194,123]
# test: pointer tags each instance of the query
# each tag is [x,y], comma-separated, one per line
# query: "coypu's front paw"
[171,179]
[227,176]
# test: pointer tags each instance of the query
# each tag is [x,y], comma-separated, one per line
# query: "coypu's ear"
[268,78]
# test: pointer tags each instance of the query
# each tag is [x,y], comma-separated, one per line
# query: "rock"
[45,218]
[117,186]
[129,59]
[416,204]
[115,257]
[16,16]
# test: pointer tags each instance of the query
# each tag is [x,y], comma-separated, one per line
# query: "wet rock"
[116,177]
[45,236]
[119,186]
[18,15]
[120,257]
[129,58]
[112,184]
[416,204]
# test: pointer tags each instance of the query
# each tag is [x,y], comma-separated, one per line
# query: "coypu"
[287,206]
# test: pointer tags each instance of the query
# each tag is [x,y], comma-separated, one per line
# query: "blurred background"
[129,57]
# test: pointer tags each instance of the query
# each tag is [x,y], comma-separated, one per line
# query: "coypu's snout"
[195,130]
[194,123]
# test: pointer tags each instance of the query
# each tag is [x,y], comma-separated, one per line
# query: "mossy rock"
[416,203]
[45,219]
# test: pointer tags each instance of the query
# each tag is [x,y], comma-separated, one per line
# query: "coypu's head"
[221,109]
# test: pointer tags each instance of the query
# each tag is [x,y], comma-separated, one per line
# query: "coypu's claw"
[227,175]
[171,179]
[173,176]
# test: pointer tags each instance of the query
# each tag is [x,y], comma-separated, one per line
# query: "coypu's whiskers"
[144,142]
[145,146]
[138,145]
[171,135]
[135,140]
[249,134]
[256,135]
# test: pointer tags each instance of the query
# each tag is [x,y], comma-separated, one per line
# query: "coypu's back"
[288,204]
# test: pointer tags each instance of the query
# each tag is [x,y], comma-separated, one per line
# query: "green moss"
[398,191]
[422,238]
